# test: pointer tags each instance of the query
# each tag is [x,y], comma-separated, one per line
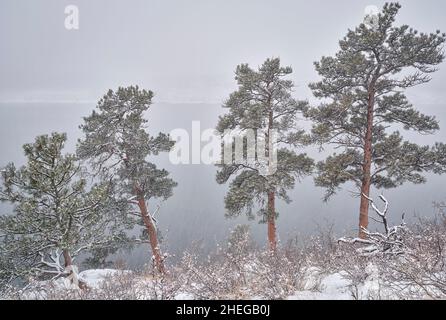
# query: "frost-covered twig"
[391,242]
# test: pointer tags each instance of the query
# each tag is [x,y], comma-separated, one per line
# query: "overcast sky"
[183,50]
[186,52]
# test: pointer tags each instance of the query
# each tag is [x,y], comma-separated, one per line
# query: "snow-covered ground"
[334,286]
[95,277]
[337,286]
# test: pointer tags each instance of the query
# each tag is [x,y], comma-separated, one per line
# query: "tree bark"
[67,258]
[272,241]
[68,261]
[367,165]
[151,230]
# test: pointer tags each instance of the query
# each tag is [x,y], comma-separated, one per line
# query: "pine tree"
[117,145]
[363,91]
[56,216]
[263,104]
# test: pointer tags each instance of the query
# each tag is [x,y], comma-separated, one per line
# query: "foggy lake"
[195,213]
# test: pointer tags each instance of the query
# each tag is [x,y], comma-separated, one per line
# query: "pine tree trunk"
[151,230]
[367,165]
[272,241]
[68,261]
[67,258]
[272,222]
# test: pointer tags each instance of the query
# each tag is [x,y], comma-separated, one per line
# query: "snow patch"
[93,278]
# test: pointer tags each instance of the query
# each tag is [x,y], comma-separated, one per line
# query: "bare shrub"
[421,272]
[224,274]
[240,271]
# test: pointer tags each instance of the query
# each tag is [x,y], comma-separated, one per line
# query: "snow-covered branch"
[390,242]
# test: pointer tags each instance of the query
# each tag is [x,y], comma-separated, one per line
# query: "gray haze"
[186,52]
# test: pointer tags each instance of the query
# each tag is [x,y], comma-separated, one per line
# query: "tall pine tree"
[363,91]
[118,146]
[264,105]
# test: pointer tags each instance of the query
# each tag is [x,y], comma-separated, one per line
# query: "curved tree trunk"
[68,262]
[367,165]
[151,230]
[272,241]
